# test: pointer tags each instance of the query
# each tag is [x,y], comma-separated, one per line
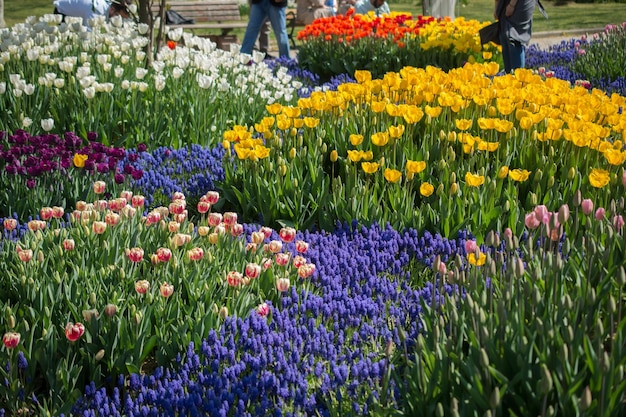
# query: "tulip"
[470,246]
[531,221]
[110,310]
[282,284]
[138,201]
[10,224]
[90,314]
[298,261]
[153,218]
[282,259]
[180,239]
[236,229]
[618,222]
[57,212]
[257,237]
[267,231]
[11,340]
[563,214]
[73,332]
[203,207]
[166,289]
[25,255]
[301,246]
[306,270]
[163,254]
[214,219]
[177,206]
[99,187]
[253,270]
[600,212]
[35,225]
[99,227]
[45,213]
[142,286]
[178,196]
[195,254]
[173,227]
[234,279]
[263,309]
[212,197]
[69,244]
[230,218]
[275,246]
[134,254]
[111,218]
[587,206]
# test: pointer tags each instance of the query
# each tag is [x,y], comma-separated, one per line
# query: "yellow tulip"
[355,139]
[395,131]
[474,180]
[463,124]
[480,261]
[415,167]
[369,167]
[380,138]
[426,189]
[333,156]
[519,175]
[311,122]
[362,76]
[392,175]
[79,160]
[599,177]
[274,108]
[503,172]
[354,156]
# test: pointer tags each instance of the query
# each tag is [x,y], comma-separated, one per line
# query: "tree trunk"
[3,24]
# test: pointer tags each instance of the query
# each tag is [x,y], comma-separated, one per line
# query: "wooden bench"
[207,14]
[292,24]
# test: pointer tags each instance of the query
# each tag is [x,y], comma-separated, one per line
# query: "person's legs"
[257,16]
[278,20]
[517,58]
[506,51]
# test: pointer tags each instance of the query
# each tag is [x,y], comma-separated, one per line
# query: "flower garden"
[200,232]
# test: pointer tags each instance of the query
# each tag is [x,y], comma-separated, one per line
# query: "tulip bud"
[538,175]
[439,191]
[494,399]
[92,298]
[545,384]
[454,188]
[333,156]
[223,312]
[99,355]
[585,399]
[11,321]
[533,199]
[484,358]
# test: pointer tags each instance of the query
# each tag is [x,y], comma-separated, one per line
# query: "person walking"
[309,10]
[516,21]
[260,10]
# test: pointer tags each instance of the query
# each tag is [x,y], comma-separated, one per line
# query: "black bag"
[174,18]
[278,3]
[490,33]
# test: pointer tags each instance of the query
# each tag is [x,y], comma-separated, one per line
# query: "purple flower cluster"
[310,81]
[560,60]
[166,170]
[316,345]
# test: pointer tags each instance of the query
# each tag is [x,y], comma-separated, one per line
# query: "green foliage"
[537,330]
[609,48]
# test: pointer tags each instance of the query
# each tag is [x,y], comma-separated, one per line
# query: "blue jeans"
[513,53]
[258,13]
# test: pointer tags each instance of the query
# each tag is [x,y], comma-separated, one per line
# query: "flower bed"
[458,244]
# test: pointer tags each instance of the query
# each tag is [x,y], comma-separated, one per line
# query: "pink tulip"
[111,218]
[11,340]
[166,289]
[99,227]
[542,214]
[195,254]
[624,178]
[253,270]
[135,254]
[180,239]
[203,207]
[251,247]
[180,217]
[230,218]
[173,227]
[25,255]
[236,229]
[275,246]
[282,259]
[138,201]
[531,221]
[302,246]
[587,206]
[100,205]
[212,197]
[99,187]
[234,279]
[127,195]
[282,284]
[204,231]
[35,225]
[142,286]
[57,212]
[153,218]
[178,196]
[81,205]
[306,270]
[266,263]
[214,219]
[73,332]
[600,212]
[45,213]
[69,244]
[10,224]
[298,261]
[267,231]
[163,254]
[287,234]
[263,309]
[177,206]
[470,246]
